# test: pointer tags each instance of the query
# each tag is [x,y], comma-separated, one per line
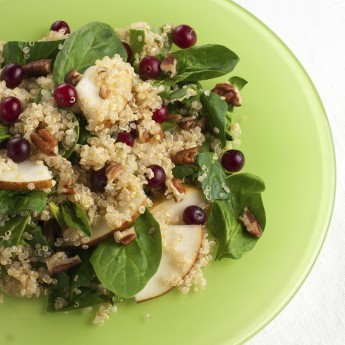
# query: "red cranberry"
[13,75]
[149,68]
[65,95]
[158,178]
[126,138]
[10,109]
[184,36]
[160,114]
[233,160]
[194,215]
[98,180]
[18,149]
[60,25]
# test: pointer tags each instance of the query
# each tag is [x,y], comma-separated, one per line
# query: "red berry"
[184,36]
[158,178]
[18,149]
[160,114]
[10,109]
[233,160]
[65,95]
[60,25]
[13,75]
[149,68]
[128,50]
[98,180]
[125,137]
[194,215]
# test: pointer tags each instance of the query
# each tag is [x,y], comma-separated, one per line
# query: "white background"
[315,31]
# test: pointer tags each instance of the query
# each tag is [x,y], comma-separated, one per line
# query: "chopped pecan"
[112,171]
[250,223]
[68,187]
[185,156]
[168,65]
[174,117]
[178,184]
[191,122]
[230,93]
[45,142]
[60,262]
[104,92]
[73,77]
[126,236]
[37,68]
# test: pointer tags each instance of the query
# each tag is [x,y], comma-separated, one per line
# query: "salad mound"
[119,171]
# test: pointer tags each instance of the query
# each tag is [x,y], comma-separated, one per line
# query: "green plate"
[286,140]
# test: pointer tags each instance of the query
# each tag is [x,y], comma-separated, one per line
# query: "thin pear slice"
[23,175]
[181,245]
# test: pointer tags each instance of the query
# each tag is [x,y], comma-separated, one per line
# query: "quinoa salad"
[119,170]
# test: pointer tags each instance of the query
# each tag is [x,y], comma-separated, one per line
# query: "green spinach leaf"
[13,51]
[167,126]
[136,41]
[84,134]
[12,202]
[238,82]
[74,216]
[224,218]
[14,228]
[83,47]
[4,133]
[126,269]
[215,109]
[183,170]
[57,214]
[83,274]
[37,237]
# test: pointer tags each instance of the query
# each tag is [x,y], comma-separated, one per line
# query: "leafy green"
[203,62]
[177,94]
[183,170]
[167,126]
[125,269]
[13,51]
[83,274]
[215,109]
[4,133]
[238,82]
[83,47]
[15,226]
[16,201]
[136,40]
[75,217]
[224,218]
[57,214]
[63,281]
[214,179]
[37,237]
[84,134]
[158,29]
[38,97]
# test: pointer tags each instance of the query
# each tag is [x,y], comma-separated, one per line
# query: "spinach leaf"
[183,170]
[16,201]
[83,274]
[136,41]
[167,126]
[84,134]
[57,214]
[238,82]
[177,94]
[74,216]
[4,133]
[213,177]
[126,269]
[84,46]
[38,97]
[13,51]
[228,120]
[14,228]
[72,148]
[215,109]
[37,237]
[224,218]
[203,62]
[63,281]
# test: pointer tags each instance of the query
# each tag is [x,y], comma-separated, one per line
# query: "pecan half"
[112,171]
[250,223]
[68,187]
[191,122]
[37,68]
[168,65]
[60,262]
[126,236]
[230,93]
[178,184]
[73,77]
[45,142]
[104,92]
[185,156]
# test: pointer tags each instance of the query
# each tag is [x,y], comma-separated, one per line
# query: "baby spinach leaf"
[84,46]
[4,133]
[57,214]
[63,281]
[202,63]
[84,134]
[224,218]
[213,177]
[126,269]
[83,274]
[16,227]
[15,201]
[238,82]
[183,170]
[136,41]
[13,51]
[74,216]
[215,109]
[177,94]
[37,237]
[167,126]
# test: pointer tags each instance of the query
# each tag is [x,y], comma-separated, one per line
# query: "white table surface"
[315,31]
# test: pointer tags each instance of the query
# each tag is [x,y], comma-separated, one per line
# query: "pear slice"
[23,175]
[181,245]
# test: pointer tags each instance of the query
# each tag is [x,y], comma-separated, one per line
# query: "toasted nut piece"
[45,142]
[174,117]
[185,156]
[229,92]
[250,223]
[37,68]
[73,77]
[67,187]
[104,92]
[59,262]
[160,133]
[178,184]
[168,65]
[112,171]
[126,236]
